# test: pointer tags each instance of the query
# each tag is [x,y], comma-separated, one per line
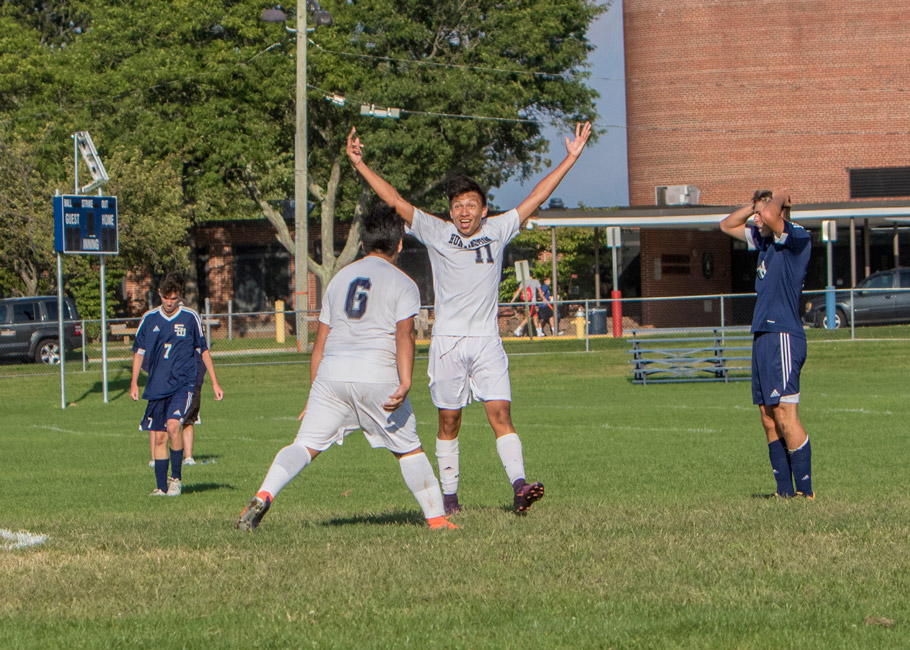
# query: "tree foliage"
[191,105]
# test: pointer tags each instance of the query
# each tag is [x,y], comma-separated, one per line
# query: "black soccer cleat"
[526,495]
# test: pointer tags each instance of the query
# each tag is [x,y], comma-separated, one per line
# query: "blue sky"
[600,177]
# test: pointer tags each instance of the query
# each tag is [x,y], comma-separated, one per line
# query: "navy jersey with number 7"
[170,347]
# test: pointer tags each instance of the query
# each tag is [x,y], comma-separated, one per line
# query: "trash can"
[598,322]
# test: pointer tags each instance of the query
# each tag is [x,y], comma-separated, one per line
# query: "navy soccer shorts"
[777,358]
[159,411]
[192,414]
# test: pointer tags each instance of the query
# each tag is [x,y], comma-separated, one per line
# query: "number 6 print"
[355,305]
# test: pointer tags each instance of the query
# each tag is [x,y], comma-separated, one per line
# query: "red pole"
[617,313]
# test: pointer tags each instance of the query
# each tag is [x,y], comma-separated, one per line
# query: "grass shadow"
[206,487]
[120,384]
[397,517]
[206,459]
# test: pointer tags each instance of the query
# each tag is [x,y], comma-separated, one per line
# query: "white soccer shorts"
[466,366]
[336,408]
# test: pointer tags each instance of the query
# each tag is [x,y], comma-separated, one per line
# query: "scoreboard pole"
[103,323]
[61,341]
[103,330]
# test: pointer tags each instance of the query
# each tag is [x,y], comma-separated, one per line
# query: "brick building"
[735,96]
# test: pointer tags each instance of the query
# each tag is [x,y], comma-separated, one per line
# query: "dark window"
[878,282]
[50,307]
[879,182]
[675,264]
[905,284]
[25,312]
[3,313]
[261,276]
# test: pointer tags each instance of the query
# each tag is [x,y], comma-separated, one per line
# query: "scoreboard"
[86,225]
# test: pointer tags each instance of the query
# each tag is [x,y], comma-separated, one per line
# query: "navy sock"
[161,473]
[780,465]
[177,463]
[801,462]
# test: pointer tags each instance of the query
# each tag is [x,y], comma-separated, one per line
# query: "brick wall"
[732,96]
[683,263]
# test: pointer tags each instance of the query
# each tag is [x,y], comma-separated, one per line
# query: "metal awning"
[706,217]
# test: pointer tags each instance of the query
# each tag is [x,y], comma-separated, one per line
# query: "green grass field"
[654,533]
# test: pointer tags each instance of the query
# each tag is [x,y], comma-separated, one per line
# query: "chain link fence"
[575,326]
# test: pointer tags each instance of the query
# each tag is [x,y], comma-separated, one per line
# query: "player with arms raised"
[779,341]
[360,373]
[466,353]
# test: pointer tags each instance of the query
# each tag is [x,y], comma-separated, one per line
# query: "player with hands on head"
[466,353]
[360,374]
[779,340]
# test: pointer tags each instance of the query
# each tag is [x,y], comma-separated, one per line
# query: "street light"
[301,232]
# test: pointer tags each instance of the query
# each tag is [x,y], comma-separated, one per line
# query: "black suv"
[879,298]
[29,329]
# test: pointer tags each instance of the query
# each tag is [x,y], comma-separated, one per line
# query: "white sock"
[447,457]
[509,448]
[420,479]
[287,464]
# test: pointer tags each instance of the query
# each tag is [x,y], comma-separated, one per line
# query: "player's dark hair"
[172,283]
[459,185]
[767,195]
[383,231]
[761,195]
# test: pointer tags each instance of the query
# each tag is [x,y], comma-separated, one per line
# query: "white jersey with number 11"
[466,271]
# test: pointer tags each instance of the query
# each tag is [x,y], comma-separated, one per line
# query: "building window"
[262,275]
[879,182]
[675,264]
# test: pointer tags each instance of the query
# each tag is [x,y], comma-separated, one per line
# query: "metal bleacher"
[724,355]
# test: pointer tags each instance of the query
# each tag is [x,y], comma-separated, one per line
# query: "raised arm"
[382,188]
[734,224]
[404,358]
[551,181]
[772,213]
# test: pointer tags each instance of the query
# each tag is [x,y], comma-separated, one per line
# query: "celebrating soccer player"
[779,341]
[360,373]
[466,353]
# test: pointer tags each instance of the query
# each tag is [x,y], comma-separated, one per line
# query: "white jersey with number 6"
[362,305]
[466,271]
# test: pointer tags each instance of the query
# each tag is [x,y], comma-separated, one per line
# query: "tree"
[26,234]
[209,88]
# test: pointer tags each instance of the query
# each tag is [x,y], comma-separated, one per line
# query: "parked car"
[878,299]
[29,328]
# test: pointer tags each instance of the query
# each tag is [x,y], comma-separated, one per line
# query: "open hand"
[582,133]
[354,148]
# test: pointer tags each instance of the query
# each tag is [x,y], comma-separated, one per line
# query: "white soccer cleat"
[152,463]
[174,487]
[189,461]
[158,493]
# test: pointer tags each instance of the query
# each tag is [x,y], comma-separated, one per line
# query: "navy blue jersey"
[171,348]
[779,277]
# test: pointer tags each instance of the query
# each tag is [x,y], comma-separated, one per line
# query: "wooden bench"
[722,356]
[123,330]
